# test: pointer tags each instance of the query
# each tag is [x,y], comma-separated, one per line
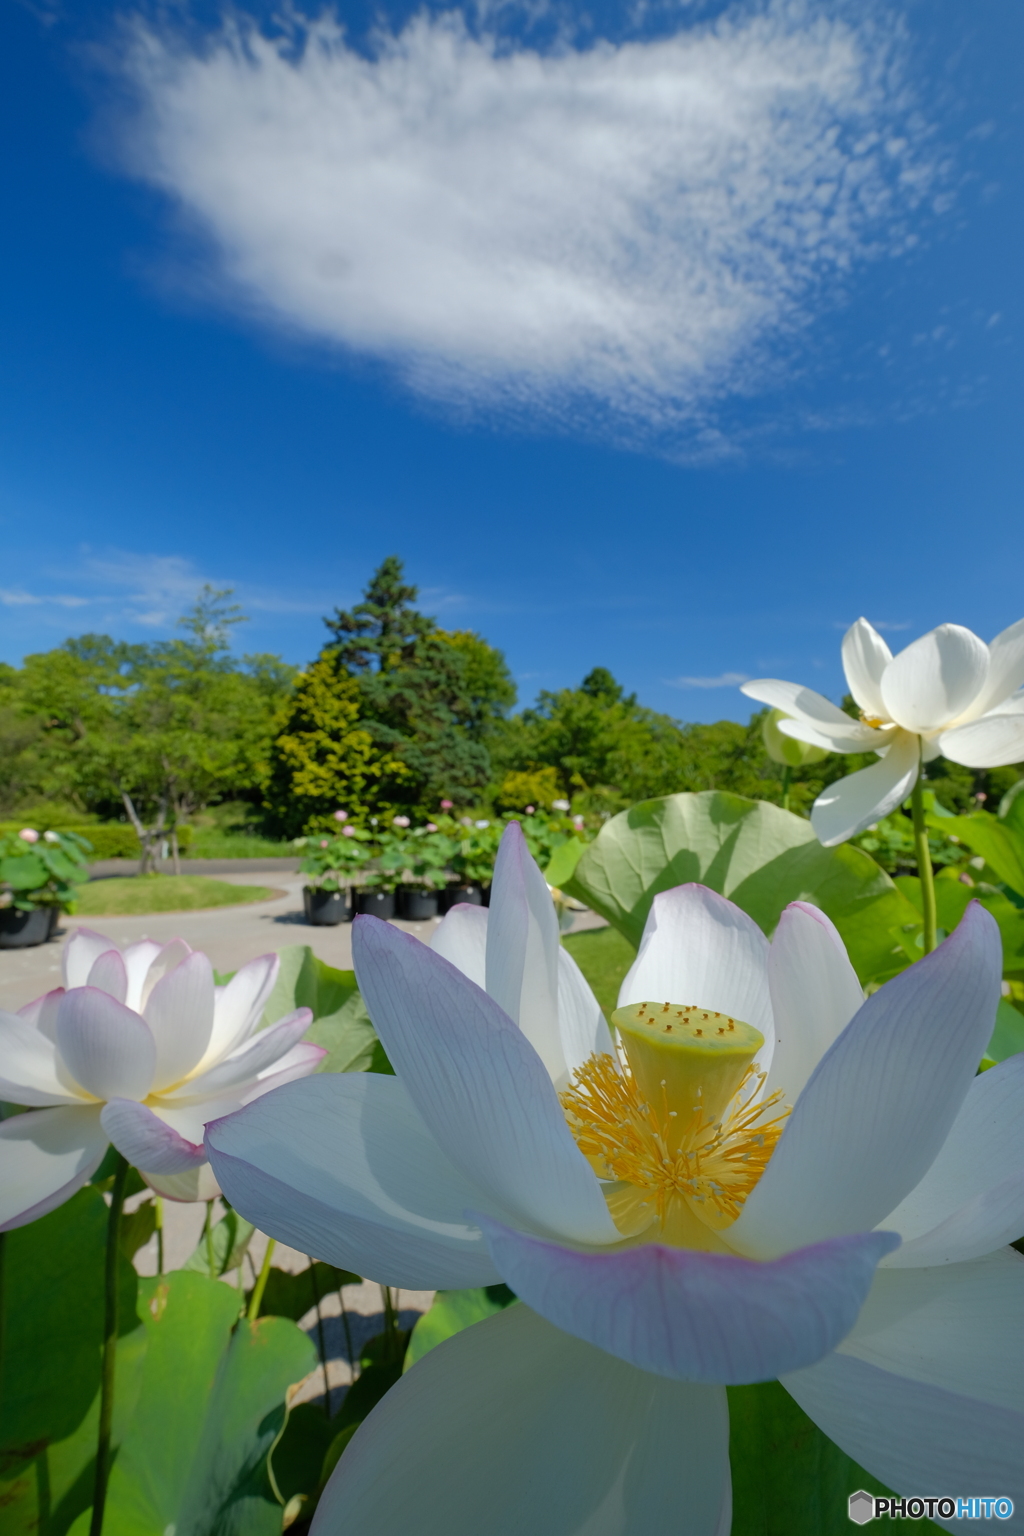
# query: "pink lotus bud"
[431,827]
[341,815]
[447,805]
[323,842]
[577,822]
[348,831]
[530,810]
[27,835]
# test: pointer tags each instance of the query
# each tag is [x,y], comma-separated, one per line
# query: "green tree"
[155,732]
[323,759]
[428,699]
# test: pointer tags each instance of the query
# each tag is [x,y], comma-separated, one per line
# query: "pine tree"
[426,698]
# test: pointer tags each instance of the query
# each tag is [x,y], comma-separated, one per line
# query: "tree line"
[395,715]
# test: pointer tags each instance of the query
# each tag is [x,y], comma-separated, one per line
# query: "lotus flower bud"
[784,749]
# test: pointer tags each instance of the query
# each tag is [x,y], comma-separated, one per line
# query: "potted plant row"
[40,873]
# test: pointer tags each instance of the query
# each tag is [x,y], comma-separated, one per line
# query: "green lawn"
[138,894]
[604,957]
[213,843]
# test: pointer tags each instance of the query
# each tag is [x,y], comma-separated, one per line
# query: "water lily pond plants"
[765,1177]
[40,872]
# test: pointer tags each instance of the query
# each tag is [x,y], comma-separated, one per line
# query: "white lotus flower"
[947,693]
[598,1403]
[138,1048]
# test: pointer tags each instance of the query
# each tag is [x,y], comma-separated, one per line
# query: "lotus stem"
[109,1346]
[787,779]
[321,1341]
[256,1299]
[208,1234]
[158,1204]
[924,864]
[3,1302]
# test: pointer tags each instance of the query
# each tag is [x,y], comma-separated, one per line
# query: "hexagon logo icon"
[862,1507]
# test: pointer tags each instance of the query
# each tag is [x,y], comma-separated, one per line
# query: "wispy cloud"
[22,599]
[723,680]
[615,236]
[126,587]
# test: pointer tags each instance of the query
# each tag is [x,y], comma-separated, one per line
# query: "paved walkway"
[229,935]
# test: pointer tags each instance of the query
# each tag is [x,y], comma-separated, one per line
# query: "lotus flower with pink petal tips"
[768,1177]
[139,1048]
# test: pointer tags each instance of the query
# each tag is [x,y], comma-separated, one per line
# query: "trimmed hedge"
[114,840]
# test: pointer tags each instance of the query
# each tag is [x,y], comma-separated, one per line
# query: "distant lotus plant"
[139,1048]
[769,1177]
[947,693]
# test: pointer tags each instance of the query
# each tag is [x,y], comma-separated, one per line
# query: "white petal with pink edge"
[41,1013]
[110,974]
[851,804]
[80,954]
[138,958]
[45,1156]
[243,1068]
[698,948]
[553,1437]
[300,1061]
[461,938]
[341,1165]
[179,1011]
[106,1047]
[197,1184]
[974,1187]
[522,950]
[30,1066]
[814,994]
[693,1316]
[883,1099]
[147,1141]
[238,1007]
[479,1085]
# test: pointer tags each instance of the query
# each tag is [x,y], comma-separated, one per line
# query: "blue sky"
[670,346]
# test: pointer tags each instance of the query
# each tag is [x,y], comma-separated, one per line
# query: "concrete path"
[229,935]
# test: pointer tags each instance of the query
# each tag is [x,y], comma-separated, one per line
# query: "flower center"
[679,1124]
[876,721]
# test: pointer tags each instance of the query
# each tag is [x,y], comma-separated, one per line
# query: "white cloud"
[614,236]
[723,680]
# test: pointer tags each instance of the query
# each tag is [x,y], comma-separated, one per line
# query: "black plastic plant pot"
[18,930]
[376,904]
[416,904]
[326,909]
[470,895]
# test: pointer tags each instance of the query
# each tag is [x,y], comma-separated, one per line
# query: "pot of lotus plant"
[469,895]
[416,903]
[324,908]
[20,928]
[374,902]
